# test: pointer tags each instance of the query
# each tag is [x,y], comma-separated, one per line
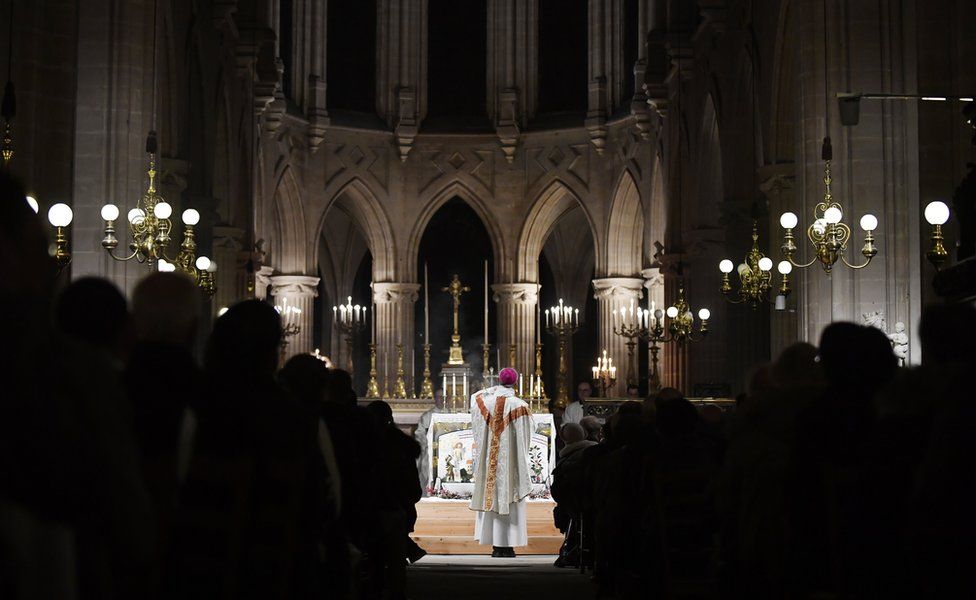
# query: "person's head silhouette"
[246,341]
[94,311]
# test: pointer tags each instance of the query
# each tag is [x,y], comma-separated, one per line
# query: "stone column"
[612,293]
[394,325]
[516,305]
[227,248]
[300,291]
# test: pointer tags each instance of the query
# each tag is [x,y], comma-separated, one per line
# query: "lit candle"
[577,316]
[465,386]
[520,387]
[426,309]
[454,385]
[596,371]
[356,308]
[444,384]
[334,314]
[547,318]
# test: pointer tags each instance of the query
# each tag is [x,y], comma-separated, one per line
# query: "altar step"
[447,527]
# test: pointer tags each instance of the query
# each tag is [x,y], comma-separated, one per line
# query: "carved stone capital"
[394,292]
[617,288]
[516,293]
[653,277]
[294,285]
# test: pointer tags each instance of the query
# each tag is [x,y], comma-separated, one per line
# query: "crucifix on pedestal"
[455,289]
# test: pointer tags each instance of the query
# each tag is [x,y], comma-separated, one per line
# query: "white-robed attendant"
[502,427]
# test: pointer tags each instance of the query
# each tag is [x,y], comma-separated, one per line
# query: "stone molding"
[516,293]
[395,292]
[294,285]
[617,288]
[653,277]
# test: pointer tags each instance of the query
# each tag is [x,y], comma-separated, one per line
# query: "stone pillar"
[300,291]
[394,325]
[516,304]
[612,293]
[654,284]
[227,248]
[262,279]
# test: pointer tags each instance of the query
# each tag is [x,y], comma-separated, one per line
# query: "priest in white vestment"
[501,424]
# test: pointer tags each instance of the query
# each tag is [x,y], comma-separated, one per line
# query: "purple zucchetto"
[508,376]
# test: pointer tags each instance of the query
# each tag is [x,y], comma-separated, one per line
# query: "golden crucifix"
[455,289]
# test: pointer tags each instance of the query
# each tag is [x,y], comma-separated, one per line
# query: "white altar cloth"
[451,453]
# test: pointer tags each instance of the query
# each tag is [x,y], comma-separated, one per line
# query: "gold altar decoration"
[427,386]
[399,389]
[373,387]
[455,289]
[562,322]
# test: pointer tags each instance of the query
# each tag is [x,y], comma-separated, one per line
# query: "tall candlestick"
[486,302]
[538,322]
[426,309]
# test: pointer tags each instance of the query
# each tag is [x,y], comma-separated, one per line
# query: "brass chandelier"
[150,227]
[828,234]
[755,275]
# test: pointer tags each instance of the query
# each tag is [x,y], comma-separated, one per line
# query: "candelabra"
[562,322]
[427,387]
[632,325]
[150,227]
[373,387]
[290,327]
[755,275]
[828,234]
[680,329]
[349,319]
[936,214]
[604,374]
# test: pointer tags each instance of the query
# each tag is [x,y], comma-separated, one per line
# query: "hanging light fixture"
[936,214]
[8,109]
[828,234]
[150,226]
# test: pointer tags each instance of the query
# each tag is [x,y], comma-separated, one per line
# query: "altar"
[451,452]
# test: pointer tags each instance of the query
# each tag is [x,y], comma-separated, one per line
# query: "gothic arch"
[709,183]
[289,246]
[625,229]
[549,206]
[432,204]
[361,204]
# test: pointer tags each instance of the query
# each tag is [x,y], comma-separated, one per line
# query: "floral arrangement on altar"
[444,494]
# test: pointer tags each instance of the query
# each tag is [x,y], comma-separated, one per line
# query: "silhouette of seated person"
[568,489]
[398,495]
[831,432]
[250,515]
[165,319]
[74,517]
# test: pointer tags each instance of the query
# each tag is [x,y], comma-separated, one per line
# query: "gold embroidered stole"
[497,422]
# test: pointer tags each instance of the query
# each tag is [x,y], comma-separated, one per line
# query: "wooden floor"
[447,527]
